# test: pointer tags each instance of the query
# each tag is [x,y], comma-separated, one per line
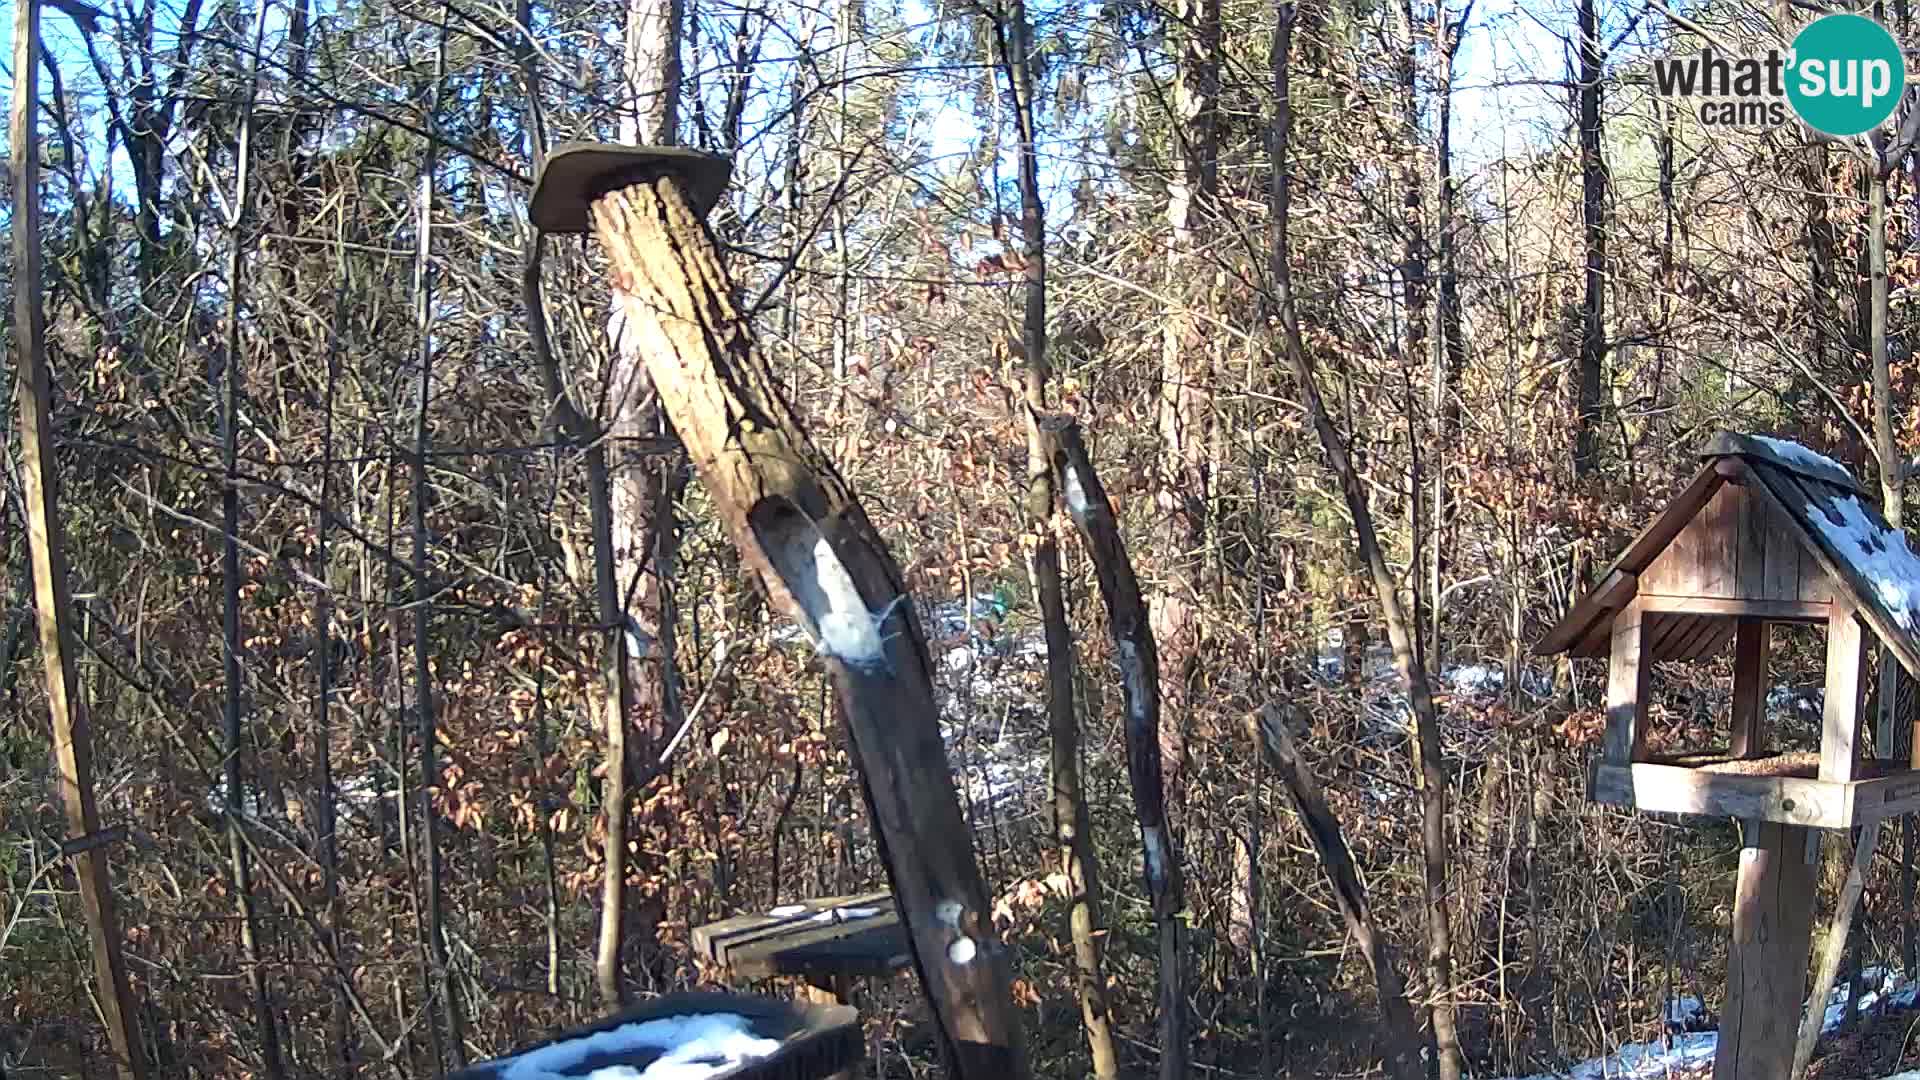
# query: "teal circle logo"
[1847,74]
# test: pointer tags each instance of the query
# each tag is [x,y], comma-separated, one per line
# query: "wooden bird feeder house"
[1766,533]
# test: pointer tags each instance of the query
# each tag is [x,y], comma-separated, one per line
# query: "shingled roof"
[1817,502]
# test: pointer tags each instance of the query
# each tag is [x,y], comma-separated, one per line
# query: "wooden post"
[1840,719]
[1767,965]
[1750,651]
[1627,672]
[46,542]
[800,528]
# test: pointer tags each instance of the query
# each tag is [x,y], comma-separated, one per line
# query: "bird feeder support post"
[800,529]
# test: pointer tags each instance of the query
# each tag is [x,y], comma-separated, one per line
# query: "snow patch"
[962,951]
[787,911]
[1788,450]
[1075,495]
[695,1047]
[1882,555]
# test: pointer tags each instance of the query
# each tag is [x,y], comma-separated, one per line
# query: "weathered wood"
[1771,610]
[46,544]
[1767,964]
[1832,948]
[1618,588]
[1627,674]
[1785,552]
[1750,545]
[1330,843]
[762,945]
[1678,789]
[1750,651]
[1840,714]
[1717,551]
[1134,652]
[799,527]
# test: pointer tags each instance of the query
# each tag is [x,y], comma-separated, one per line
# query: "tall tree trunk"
[1449,353]
[423,693]
[1593,188]
[1412,671]
[1186,373]
[1073,826]
[326,839]
[267,1027]
[46,542]
[641,694]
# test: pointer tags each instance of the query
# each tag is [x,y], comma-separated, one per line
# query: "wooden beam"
[1840,717]
[1627,672]
[1771,610]
[1616,590]
[1677,789]
[1767,964]
[1832,948]
[1750,650]
[46,544]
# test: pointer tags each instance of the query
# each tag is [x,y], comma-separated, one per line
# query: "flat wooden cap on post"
[576,174]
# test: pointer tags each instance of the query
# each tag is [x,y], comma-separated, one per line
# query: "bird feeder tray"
[816,1041]
[576,174]
[828,937]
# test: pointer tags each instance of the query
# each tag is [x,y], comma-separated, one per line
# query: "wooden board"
[1767,961]
[1750,651]
[761,945]
[1627,674]
[1659,787]
[1840,715]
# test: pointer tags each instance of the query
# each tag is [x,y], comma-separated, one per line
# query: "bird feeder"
[1767,533]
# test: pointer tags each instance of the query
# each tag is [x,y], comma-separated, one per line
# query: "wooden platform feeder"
[827,942]
[1767,532]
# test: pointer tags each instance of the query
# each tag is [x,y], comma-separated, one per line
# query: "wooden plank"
[1709,646]
[1886,796]
[1770,610]
[1833,947]
[1700,630]
[1598,640]
[719,942]
[1751,647]
[1627,672]
[1750,550]
[1767,963]
[1663,631]
[1676,789]
[1717,547]
[1785,550]
[1840,717]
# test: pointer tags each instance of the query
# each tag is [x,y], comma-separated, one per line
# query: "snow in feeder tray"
[690,1048]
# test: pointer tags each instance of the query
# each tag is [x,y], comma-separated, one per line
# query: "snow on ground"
[1691,1051]
[692,1048]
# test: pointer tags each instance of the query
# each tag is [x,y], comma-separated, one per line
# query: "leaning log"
[1336,859]
[800,529]
[1133,650]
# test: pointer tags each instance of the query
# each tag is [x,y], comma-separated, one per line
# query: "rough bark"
[1407,662]
[46,542]
[800,529]
[1134,649]
[1185,407]
[1330,843]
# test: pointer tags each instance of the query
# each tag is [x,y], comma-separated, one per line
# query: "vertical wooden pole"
[1840,720]
[1767,965]
[1751,647]
[1627,672]
[46,541]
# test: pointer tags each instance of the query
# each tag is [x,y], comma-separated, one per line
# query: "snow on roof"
[696,1046]
[1793,452]
[1878,551]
